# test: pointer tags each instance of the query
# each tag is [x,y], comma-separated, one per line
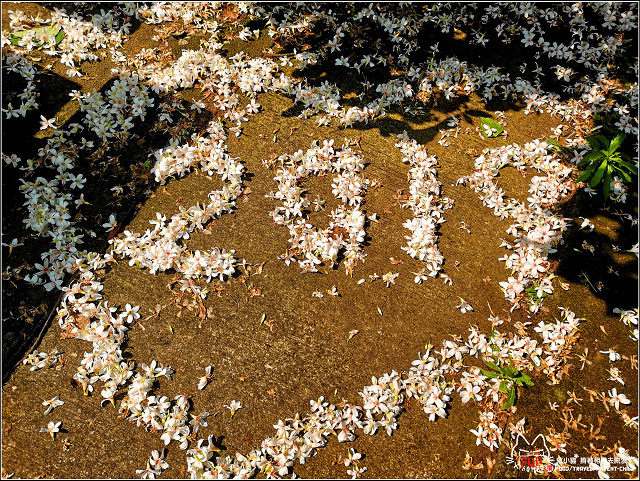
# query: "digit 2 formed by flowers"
[309,246]
[158,249]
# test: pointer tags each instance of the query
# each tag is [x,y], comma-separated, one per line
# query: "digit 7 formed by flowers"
[345,233]
[537,227]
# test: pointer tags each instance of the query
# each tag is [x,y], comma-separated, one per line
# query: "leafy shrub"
[604,161]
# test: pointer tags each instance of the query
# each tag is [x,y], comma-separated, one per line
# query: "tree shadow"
[509,59]
[611,275]
[90,9]
[122,164]
[18,133]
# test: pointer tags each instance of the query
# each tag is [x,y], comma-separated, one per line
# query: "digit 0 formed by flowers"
[424,201]
[310,246]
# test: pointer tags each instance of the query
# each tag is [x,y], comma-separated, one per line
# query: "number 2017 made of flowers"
[346,230]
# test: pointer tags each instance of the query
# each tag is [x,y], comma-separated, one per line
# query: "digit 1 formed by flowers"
[309,246]
[427,207]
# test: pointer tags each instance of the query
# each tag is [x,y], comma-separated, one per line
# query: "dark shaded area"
[55,95]
[504,50]
[611,275]
[27,309]
[24,309]
[86,9]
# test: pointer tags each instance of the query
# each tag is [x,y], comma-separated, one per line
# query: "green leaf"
[632,168]
[489,374]
[624,175]
[492,365]
[614,158]
[598,175]
[491,124]
[511,399]
[59,36]
[558,147]
[527,380]
[593,142]
[594,154]
[603,141]
[583,162]
[615,143]
[503,387]
[586,173]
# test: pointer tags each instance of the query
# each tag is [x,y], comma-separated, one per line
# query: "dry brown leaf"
[490,464]
[229,11]
[79,321]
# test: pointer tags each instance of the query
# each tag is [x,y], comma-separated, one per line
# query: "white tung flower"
[464,306]
[52,404]
[613,355]
[52,428]
[616,399]
[233,406]
[204,380]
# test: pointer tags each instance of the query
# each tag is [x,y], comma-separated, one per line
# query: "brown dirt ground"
[304,353]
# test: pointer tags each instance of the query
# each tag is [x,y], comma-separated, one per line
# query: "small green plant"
[604,161]
[52,34]
[532,292]
[490,128]
[510,377]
